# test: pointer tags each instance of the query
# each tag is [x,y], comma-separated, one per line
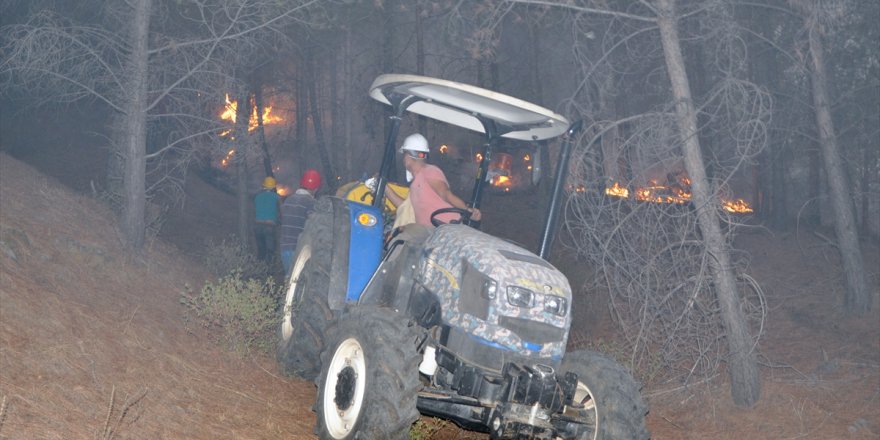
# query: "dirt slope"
[820,369]
[94,344]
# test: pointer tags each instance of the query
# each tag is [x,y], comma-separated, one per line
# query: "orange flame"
[617,191]
[229,113]
[230,109]
[738,206]
[580,188]
[677,193]
[225,161]
[501,180]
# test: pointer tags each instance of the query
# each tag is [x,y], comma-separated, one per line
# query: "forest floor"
[95,344]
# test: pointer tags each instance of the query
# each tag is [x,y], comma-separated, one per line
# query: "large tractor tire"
[369,381]
[306,312]
[610,393]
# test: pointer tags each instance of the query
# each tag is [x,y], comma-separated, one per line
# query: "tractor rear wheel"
[306,312]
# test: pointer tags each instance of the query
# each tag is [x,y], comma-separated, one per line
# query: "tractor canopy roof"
[469,107]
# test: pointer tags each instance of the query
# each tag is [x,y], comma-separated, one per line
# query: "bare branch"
[586,9]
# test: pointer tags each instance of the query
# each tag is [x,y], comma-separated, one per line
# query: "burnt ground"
[96,344]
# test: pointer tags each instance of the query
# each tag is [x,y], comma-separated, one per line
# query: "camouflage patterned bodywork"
[461,264]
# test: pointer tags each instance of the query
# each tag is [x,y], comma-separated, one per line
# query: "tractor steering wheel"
[464,213]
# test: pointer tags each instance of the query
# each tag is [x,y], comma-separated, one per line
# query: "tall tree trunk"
[388,34]
[241,192]
[302,112]
[610,142]
[317,124]
[135,138]
[264,146]
[857,299]
[420,57]
[337,151]
[487,73]
[819,190]
[743,365]
[779,185]
[764,68]
[866,188]
[347,80]
[241,188]
[387,57]
[536,92]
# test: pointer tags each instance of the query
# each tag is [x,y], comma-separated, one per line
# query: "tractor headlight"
[520,296]
[556,305]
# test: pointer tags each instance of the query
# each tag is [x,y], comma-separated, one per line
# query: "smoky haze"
[703,121]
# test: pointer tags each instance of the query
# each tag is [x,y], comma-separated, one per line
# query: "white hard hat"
[415,142]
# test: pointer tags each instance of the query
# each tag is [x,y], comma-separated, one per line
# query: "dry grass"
[81,321]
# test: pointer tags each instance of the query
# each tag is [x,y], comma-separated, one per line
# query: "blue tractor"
[446,321]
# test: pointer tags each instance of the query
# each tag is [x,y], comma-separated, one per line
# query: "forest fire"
[502,181]
[229,113]
[501,171]
[225,161]
[617,191]
[231,107]
[675,192]
[738,206]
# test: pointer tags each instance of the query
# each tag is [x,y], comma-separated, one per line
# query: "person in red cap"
[294,211]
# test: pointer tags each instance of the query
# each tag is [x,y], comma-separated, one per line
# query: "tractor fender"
[339,254]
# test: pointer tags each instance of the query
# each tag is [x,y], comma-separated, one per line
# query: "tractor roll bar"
[561,174]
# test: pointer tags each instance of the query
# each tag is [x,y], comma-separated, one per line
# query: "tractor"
[446,321]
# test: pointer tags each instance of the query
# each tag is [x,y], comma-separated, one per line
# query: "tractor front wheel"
[369,381]
[609,395]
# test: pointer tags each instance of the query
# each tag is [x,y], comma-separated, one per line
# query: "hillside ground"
[95,343]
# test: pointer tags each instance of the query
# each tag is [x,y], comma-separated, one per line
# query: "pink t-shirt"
[425,200]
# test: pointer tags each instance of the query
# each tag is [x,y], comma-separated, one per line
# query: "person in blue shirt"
[266,205]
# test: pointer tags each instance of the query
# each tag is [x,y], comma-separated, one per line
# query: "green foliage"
[422,430]
[230,256]
[241,312]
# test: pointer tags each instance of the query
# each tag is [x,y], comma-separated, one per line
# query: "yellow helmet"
[269,182]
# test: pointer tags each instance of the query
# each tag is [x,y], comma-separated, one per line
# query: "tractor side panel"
[365,248]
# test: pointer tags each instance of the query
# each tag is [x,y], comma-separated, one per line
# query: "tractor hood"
[470,107]
[497,292]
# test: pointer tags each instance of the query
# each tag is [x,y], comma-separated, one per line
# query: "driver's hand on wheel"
[476,215]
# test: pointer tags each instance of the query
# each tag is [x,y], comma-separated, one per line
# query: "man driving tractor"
[429,190]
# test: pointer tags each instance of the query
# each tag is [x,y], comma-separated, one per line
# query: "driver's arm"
[442,190]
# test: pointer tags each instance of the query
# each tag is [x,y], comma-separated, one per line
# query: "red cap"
[311,179]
